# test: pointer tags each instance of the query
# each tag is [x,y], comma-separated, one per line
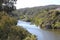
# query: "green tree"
[7,5]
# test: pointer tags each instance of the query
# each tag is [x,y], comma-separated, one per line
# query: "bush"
[9,30]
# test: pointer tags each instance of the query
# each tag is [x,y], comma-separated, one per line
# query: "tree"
[7,5]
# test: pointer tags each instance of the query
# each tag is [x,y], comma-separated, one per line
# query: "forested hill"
[34,10]
[42,16]
[40,7]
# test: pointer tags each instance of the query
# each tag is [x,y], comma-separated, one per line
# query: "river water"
[41,34]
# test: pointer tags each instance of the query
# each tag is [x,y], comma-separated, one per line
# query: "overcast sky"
[33,3]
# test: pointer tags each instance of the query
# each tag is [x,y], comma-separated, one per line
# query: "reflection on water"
[41,34]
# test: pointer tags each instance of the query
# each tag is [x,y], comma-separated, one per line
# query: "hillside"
[30,12]
[44,16]
[49,20]
[9,30]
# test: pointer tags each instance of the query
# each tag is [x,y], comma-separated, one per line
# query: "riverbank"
[9,30]
[46,19]
[40,33]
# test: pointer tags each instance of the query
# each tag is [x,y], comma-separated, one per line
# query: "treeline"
[31,12]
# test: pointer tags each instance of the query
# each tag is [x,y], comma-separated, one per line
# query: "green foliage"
[7,5]
[57,24]
[9,30]
[30,38]
[48,17]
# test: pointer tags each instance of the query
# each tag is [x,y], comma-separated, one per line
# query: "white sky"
[33,3]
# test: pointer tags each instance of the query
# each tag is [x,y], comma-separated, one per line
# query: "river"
[41,34]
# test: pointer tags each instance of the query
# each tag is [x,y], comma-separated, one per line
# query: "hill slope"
[9,30]
[43,15]
[30,12]
[49,20]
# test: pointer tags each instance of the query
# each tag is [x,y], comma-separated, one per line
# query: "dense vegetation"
[48,19]
[27,13]
[44,16]
[7,5]
[9,30]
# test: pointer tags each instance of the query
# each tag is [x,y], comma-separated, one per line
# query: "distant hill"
[34,10]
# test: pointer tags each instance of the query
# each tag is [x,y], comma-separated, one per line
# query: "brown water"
[51,34]
[41,34]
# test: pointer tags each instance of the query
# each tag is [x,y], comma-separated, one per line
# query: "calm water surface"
[41,34]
